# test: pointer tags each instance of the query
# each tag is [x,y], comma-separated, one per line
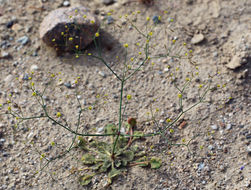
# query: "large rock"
[64,28]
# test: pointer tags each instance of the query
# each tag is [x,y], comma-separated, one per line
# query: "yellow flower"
[148,18]
[171,130]
[157,109]
[92,21]
[137,44]
[129,66]
[53,40]
[159,18]
[168,120]
[29,78]
[84,16]
[76,46]
[174,41]
[132,59]
[184,43]
[34,93]
[62,33]
[90,107]
[89,54]
[171,20]
[153,63]
[52,143]
[126,45]
[97,34]
[59,114]
[140,53]
[109,14]
[77,56]
[70,38]
[150,33]
[180,95]
[138,12]
[187,79]
[129,97]
[1,105]
[76,10]
[9,108]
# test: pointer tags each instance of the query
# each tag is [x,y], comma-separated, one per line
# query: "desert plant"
[114,150]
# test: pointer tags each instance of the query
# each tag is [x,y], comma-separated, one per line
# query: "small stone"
[229,126]
[67,84]
[79,96]
[66,3]
[107,2]
[110,20]
[81,31]
[101,73]
[34,68]
[236,61]
[155,19]
[249,150]
[197,38]
[164,61]
[5,55]
[214,127]
[9,24]
[23,40]
[100,129]
[16,28]
[210,147]
[26,76]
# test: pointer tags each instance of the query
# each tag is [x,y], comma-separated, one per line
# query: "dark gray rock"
[107,2]
[64,28]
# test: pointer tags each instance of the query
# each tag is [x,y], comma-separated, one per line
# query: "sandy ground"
[220,128]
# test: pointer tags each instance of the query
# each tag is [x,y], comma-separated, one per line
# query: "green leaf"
[110,129]
[113,173]
[106,165]
[88,159]
[86,179]
[155,163]
[82,143]
[143,162]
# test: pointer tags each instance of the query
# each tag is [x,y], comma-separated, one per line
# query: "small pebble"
[101,73]
[107,2]
[214,127]
[34,68]
[197,38]
[23,40]
[110,19]
[9,24]
[26,76]
[210,147]
[155,19]
[66,3]
[229,126]
[67,84]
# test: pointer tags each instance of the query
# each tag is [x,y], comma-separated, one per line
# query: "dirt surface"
[217,32]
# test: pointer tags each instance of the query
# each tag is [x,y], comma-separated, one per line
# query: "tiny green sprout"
[43,155]
[171,131]
[59,114]
[201,147]
[97,35]
[126,45]
[168,120]
[52,143]
[180,95]
[90,107]
[34,93]
[129,97]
